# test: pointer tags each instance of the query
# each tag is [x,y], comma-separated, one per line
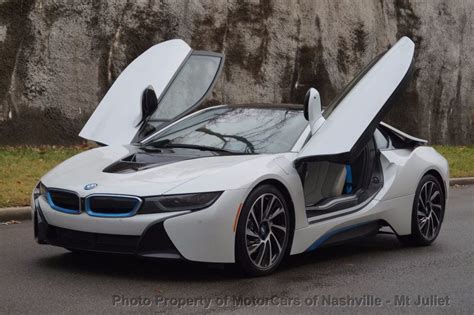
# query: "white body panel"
[116,118]
[355,112]
[315,118]
[404,135]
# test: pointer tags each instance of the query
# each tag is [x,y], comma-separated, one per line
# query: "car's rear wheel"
[427,213]
[263,231]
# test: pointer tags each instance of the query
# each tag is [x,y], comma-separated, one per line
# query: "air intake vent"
[145,160]
[126,165]
[125,244]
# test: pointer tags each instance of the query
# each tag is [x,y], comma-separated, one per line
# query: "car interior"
[330,186]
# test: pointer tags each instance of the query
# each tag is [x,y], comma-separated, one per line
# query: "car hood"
[88,167]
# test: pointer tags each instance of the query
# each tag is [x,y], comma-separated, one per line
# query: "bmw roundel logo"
[90,186]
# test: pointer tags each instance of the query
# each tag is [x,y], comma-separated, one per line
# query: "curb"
[24,213]
[16,213]
[461,181]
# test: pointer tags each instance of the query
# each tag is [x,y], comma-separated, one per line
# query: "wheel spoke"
[253,248]
[426,233]
[423,223]
[261,254]
[252,213]
[251,233]
[432,226]
[269,207]
[426,193]
[436,205]
[276,241]
[420,199]
[276,213]
[434,195]
[431,189]
[421,214]
[279,227]
[426,227]
[270,259]
[435,217]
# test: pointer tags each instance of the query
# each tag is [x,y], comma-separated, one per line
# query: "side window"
[381,141]
[189,87]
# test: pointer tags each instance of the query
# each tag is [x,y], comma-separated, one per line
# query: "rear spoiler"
[413,141]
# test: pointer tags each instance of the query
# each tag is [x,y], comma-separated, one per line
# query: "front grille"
[125,244]
[64,201]
[112,206]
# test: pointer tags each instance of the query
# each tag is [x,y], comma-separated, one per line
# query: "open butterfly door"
[178,77]
[350,120]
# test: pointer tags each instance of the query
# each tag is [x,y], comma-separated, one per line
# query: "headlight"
[40,190]
[169,203]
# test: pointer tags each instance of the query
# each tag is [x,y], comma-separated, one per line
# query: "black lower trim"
[40,225]
[71,239]
[154,242]
[148,244]
[359,231]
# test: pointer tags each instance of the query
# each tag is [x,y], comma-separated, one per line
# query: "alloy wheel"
[266,231]
[429,210]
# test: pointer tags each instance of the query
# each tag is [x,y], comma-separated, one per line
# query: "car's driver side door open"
[171,75]
[342,148]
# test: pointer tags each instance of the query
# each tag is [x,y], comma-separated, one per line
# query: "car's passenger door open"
[341,147]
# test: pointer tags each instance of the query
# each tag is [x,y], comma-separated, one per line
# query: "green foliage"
[21,168]
[460,158]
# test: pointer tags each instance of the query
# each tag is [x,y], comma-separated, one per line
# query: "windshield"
[237,129]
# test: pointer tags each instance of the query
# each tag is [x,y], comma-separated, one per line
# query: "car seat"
[323,180]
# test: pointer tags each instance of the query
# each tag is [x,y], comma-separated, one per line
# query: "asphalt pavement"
[372,275]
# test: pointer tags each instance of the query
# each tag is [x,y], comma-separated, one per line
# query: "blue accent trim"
[330,234]
[58,208]
[111,215]
[348,183]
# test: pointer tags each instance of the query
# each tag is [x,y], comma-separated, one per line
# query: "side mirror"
[312,110]
[149,103]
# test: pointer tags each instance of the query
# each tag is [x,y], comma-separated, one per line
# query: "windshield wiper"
[199,147]
[166,143]
[158,144]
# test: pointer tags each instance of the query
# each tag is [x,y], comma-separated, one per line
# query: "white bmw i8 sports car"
[246,184]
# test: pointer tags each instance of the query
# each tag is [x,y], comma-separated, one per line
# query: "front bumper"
[154,242]
[206,235]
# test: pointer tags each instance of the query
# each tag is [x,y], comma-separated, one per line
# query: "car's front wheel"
[263,231]
[427,213]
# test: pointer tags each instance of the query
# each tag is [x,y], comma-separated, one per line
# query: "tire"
[427,213]
[262,238]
